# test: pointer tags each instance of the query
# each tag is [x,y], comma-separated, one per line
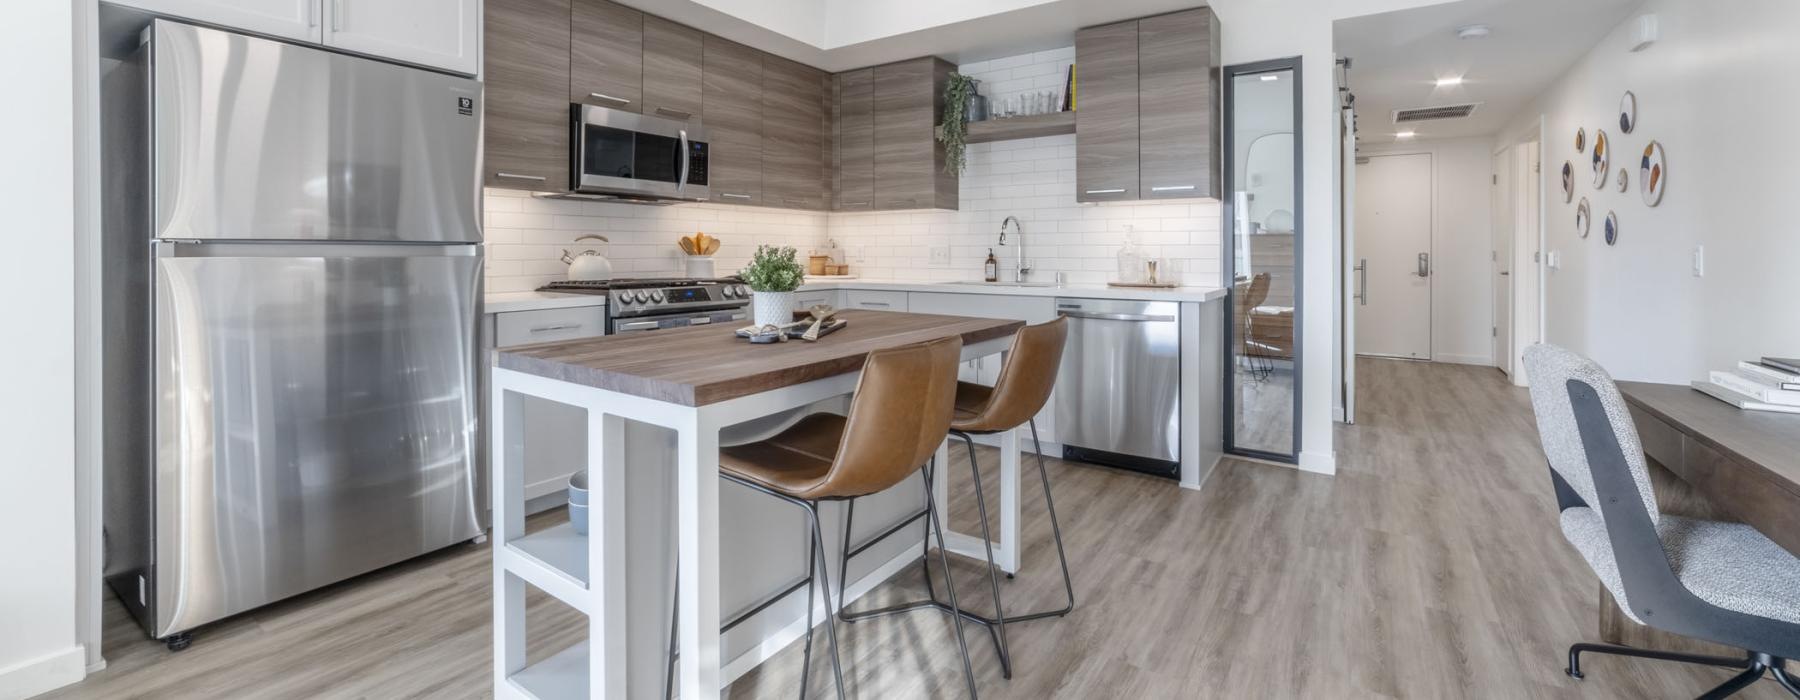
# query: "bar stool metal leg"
[956,618]
[998,629]
[818,533]
[1062,556]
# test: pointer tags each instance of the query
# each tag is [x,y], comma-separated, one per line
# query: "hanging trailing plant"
[954,132]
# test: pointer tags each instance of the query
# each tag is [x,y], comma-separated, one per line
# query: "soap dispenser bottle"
[990,270]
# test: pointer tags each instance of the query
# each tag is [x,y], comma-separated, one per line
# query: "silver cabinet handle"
[1172,188]
[562,327]
[1362,282]
[733,195]
[1505,273]
[604,96]
[516,176]
[739,316]
[636,326]
[699,320]
[676,113]
[853,204]
[337,15]
[1110,190]
[876,304]
[312,15]
[1424,264]
[1119,317]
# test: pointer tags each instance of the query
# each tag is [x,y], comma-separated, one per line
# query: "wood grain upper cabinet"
[909,160]
[292,19]
[1178,105]
[853,156]
[526,69]
[731,105]
[1106,113]
[672,58]
[606,55]
[436,33]
[794,124]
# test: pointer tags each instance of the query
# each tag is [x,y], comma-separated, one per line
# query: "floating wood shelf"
[1022,127]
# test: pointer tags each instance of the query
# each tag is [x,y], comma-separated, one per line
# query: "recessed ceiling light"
[1268,78]
[1473,31]
[1451,81]
[1404,135]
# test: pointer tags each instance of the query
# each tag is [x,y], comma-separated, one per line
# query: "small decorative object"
[590,264]
[1601,159]
[954,132]
[1627,113]
[773,274]
[1568,174]
[1612,228]
[578,502]
[990,270]
[816,264]
[1652,174]
[1622,180]
[1582,216]
[1581,139]
[1130,259]
[700,267]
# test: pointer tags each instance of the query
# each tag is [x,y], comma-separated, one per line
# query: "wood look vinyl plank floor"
[1430,566]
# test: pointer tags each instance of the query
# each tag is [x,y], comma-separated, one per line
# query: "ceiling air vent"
[1420,114]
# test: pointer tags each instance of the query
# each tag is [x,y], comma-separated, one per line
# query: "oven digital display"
[687,294]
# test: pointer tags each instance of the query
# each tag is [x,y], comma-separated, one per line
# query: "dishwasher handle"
[1147,318]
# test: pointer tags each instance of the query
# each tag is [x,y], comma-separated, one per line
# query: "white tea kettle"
[590,264]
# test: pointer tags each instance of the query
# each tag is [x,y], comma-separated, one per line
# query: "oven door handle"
[637,326]
[685,157]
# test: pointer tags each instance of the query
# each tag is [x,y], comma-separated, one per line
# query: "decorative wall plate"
[1568,173]
[1627,113]
[1581,139]
[1582,216]
[1612,228]
[1601,158]
[1653,174]
[1622,184]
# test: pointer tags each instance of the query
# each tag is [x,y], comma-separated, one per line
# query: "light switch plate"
[940,255]
[1699,261]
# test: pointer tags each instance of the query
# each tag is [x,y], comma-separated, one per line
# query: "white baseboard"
[43,674]
[1318,462]
[1483,360]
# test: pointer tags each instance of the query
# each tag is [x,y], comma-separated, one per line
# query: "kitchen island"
[704,388]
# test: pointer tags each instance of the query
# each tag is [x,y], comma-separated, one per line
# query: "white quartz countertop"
[1079,291]
[503,302]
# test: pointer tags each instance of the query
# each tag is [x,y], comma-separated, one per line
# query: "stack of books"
[1772,384]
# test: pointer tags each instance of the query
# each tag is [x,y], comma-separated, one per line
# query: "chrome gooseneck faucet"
[1023,268]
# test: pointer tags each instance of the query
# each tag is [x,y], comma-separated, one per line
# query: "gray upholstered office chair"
[1721,582]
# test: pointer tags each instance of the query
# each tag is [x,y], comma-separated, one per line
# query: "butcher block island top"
[702,365]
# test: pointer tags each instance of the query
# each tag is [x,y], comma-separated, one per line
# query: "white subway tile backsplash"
[1033,179]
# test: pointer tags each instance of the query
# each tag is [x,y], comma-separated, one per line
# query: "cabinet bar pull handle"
[1114,190]
[312,15]
[337,15]
[733,195]
[637,326]
[515,176]
[1172,188]
[562,327]
[881,304]
[853,204]
[676,113]
[602,96]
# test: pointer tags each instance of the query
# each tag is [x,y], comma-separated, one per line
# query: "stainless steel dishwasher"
[1118,392]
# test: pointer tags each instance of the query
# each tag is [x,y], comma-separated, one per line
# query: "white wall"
[1718,91]
[1462,291]
[38,648]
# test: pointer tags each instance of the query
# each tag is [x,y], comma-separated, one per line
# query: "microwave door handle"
[685,157]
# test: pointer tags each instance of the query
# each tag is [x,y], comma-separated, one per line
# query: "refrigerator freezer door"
[315,417]
[256,139]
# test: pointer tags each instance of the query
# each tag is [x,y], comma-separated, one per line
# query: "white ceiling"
[842,34]
[1397,57]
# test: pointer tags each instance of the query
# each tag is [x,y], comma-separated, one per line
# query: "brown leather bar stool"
[898,416]
[1017,396]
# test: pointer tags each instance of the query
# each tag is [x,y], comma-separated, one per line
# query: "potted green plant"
[773,274]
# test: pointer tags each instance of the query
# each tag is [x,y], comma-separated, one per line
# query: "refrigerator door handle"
[183,248]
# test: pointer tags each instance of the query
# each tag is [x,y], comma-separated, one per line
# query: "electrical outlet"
[940,255]
[854,253]
[1699,261]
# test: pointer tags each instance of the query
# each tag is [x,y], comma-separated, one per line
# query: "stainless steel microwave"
[636,155]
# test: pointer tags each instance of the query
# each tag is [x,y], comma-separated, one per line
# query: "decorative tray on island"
[809,326]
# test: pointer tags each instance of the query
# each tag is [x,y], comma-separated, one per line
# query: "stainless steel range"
[636,305]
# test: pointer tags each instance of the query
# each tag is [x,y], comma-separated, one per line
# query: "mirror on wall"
[1262,116]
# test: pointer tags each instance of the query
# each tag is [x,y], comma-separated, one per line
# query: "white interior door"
[1352,277]
[1393,239]
[1503,260]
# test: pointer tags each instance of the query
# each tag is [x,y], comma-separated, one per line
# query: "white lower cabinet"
[875,300]
[829,297]
[986,370]
[555,435]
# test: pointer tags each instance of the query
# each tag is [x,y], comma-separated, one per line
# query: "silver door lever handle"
[1424,264]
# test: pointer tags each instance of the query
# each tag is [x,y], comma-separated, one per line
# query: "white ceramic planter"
[772,308]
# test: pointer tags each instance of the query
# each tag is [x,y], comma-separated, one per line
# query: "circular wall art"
[1622,184]
[1653,175]
[1568,173]
[1627,113]
[1581,139]
[1612,228]
[1582,217]
[1601,158]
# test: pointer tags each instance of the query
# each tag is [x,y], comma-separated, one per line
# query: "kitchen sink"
[978,283]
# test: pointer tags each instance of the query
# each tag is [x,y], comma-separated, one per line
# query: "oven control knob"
[656,296]
[728,291]
[636,296]
[743,290]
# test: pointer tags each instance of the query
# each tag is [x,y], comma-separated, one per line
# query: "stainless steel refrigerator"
[291,289]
